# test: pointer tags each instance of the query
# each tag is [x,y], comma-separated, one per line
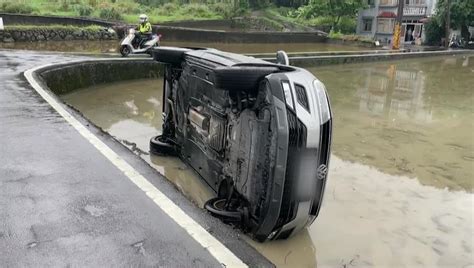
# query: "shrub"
[84,10]
[92,3]
[154,3]
[323,23]
[433,32]
[223,9]
[18,8]
[129,7]
[64,5]
[168,8]
[347,26]
[285,11]
[197,10]
[335,35]
[110,14]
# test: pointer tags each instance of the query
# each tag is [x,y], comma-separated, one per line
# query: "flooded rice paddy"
[113,46]
[399,193]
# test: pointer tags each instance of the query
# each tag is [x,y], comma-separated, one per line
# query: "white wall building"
[378,20]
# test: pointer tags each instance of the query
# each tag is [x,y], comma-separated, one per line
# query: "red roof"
[387,14]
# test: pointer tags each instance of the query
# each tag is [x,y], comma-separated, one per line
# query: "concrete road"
[62,203]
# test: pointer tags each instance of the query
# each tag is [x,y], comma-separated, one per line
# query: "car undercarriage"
[258,133]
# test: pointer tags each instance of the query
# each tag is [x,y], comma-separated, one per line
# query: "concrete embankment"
[317,60]
[55,33]
[22,19]
[169,32]
[63,78]
[324,53]
[172,33]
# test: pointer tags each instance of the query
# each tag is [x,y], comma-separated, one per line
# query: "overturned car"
[258,133]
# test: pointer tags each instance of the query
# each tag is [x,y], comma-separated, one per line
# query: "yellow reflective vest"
[144,28]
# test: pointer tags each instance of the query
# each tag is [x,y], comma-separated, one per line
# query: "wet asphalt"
[62,203]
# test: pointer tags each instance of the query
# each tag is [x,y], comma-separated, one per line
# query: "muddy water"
[405,118]
[131,112]
[400,187]
[112,46]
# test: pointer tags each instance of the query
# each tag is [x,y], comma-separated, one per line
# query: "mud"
[399,192]
[113,46]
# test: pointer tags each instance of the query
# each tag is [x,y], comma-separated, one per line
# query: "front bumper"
[301,171]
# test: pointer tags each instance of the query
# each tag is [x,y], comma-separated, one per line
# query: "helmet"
[143,18]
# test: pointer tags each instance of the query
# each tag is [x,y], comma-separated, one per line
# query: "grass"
[156,19]
[122,10]
[349,37]
[91,28]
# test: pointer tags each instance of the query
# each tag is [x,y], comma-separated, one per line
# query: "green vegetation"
[350,37]
[92,28]
[337,16]
[434,32]
[462,16]
[121,10]
[14,7]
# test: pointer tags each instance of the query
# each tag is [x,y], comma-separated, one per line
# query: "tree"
[335,9]
[462,14]
[434,32]
[291,3]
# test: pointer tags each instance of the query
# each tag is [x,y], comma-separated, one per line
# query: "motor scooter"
[130,45]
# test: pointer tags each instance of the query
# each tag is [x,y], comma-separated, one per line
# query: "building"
[378,20]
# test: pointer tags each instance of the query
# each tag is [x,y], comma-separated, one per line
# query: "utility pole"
[397,31]
[448,22]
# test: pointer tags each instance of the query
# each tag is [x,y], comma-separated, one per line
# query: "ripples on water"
[400,187]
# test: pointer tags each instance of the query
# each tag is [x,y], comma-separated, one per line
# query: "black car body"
[255,131]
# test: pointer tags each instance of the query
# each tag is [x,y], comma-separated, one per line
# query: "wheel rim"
[217,208]
[219,204]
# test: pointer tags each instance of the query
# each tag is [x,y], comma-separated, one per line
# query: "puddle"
[399,192]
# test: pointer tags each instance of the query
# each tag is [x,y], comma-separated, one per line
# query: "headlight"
[322,101]
[288,94]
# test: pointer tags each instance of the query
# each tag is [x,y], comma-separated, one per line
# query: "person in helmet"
[144,30]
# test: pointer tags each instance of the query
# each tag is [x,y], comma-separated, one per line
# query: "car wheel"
[125,51]
[160,146]
[216,206]
[241,78]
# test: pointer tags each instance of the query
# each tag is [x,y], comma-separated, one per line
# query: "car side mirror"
[282,58]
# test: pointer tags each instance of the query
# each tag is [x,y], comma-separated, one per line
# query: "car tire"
[241,78]
[169,55]
[160,146]
[215,207]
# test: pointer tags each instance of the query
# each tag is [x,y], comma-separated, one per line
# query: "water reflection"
[406,118]
[393,92]
[392,121]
